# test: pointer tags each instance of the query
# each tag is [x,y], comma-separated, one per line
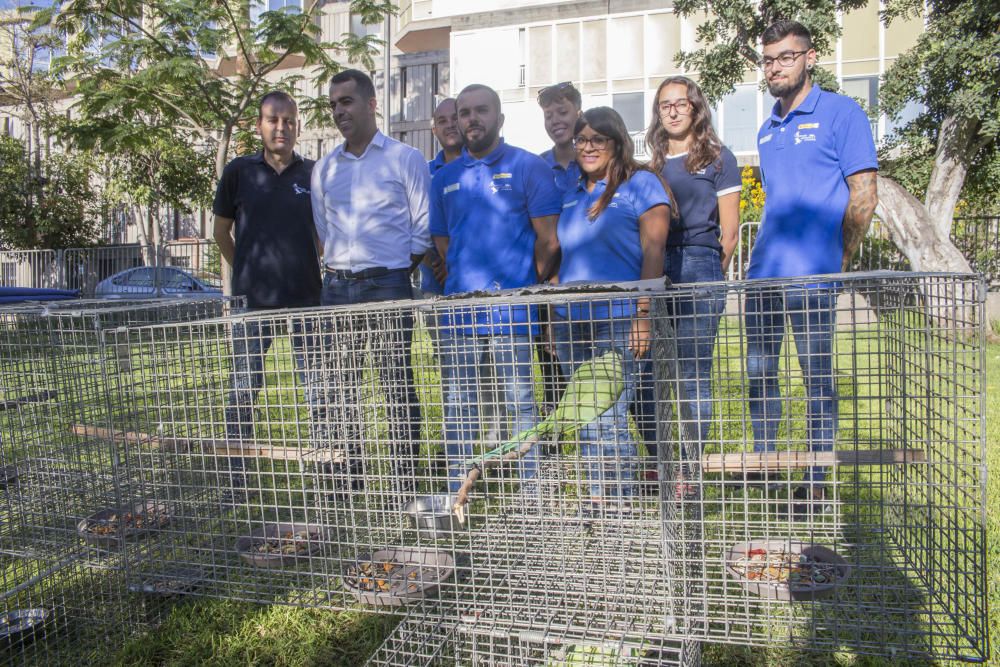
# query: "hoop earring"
[809,67]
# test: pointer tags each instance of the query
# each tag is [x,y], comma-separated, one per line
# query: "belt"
[373,272]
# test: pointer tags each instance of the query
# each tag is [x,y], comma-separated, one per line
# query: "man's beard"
[788,87]
[484,142]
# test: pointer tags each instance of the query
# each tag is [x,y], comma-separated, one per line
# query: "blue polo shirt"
[805,159]
[428,283]
[566,178]
[606,248]
[484,207]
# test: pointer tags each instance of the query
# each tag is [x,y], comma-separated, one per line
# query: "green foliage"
[163,172]
[51,209]
[146,68]
[728,38]
[950,71]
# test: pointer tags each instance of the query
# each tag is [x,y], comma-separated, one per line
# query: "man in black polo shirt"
[265,199]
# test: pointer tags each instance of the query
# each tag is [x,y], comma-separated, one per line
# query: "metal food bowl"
[395,577]
[22,625]
[840,570]
[155,513]
[433,516]
[300,548]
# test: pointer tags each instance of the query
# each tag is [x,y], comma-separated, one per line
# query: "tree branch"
[957,136]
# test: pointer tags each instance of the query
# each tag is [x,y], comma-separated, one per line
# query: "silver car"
[149,282]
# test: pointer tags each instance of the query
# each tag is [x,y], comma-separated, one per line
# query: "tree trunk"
[955,150]
[929,248]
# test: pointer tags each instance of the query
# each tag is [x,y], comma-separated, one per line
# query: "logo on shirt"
[501,187]
[766,138]
[451,188]
[299,190]
[613,203]
[802,136]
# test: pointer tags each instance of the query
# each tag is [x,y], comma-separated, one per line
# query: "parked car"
[148,282]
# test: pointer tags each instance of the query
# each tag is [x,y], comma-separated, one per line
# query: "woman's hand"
[639,337]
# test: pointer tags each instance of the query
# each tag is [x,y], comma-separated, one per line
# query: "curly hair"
[705,144]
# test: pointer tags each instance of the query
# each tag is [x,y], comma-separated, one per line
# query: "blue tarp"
[22,294]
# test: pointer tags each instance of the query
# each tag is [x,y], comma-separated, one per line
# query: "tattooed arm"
[860,208]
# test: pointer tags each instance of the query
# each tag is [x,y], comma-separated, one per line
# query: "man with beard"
[369,199]
[264,199]
[818,166]
[493,218]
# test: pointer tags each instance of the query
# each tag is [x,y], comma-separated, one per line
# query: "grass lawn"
[222,633]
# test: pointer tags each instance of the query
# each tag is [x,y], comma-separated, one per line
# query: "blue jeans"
[695,314]
[463,361]
[606,444]
[387,335]
[812,314]
[251,341]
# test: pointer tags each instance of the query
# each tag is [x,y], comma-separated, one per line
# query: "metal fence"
[349,465]
[83,268]
[976,237]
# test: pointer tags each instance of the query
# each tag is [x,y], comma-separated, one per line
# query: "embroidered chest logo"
[501,182]
[801,136]
[299,190]
[613,203]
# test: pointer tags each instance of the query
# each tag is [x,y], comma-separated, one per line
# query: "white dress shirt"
[371,210]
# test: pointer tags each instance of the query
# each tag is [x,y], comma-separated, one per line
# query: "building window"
[403,92]
[865,90]
[739,119]
[361,29]
[631,107]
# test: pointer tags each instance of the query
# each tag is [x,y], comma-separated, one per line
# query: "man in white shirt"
[369,198]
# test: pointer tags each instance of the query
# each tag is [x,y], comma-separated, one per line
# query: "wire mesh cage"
[60,611]
[60,487]
[345,458]
[833,494]
[425,639]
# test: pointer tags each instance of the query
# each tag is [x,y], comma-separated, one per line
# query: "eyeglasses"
[785,59]
[599,143]
[682,107]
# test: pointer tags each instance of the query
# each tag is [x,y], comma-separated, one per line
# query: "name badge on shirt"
[570,204]
[451,188]
[808,126]
[763,140]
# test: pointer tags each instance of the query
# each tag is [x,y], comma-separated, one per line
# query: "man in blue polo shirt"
[493,218]
[444,127]
[818,166]
[264,199]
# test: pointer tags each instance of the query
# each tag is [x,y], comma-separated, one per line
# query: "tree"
[146,68]
[25,84]
[53,210]
[951,71]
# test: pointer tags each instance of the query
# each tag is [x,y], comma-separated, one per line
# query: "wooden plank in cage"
[210,446]
[757,461]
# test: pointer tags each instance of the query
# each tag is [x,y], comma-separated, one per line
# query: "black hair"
[473,87]
[278,95]
[778,30]
[362,81]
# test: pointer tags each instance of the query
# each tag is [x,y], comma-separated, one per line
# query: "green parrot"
[594,387]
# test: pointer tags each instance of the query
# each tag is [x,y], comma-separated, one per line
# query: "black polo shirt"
[276,264]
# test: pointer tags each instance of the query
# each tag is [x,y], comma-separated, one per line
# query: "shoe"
[685,490]
[808,502]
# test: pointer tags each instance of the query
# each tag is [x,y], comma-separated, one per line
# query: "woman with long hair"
[613,227]
[705,180]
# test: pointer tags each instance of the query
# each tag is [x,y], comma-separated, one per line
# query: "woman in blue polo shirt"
[613,227]
[705,181]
